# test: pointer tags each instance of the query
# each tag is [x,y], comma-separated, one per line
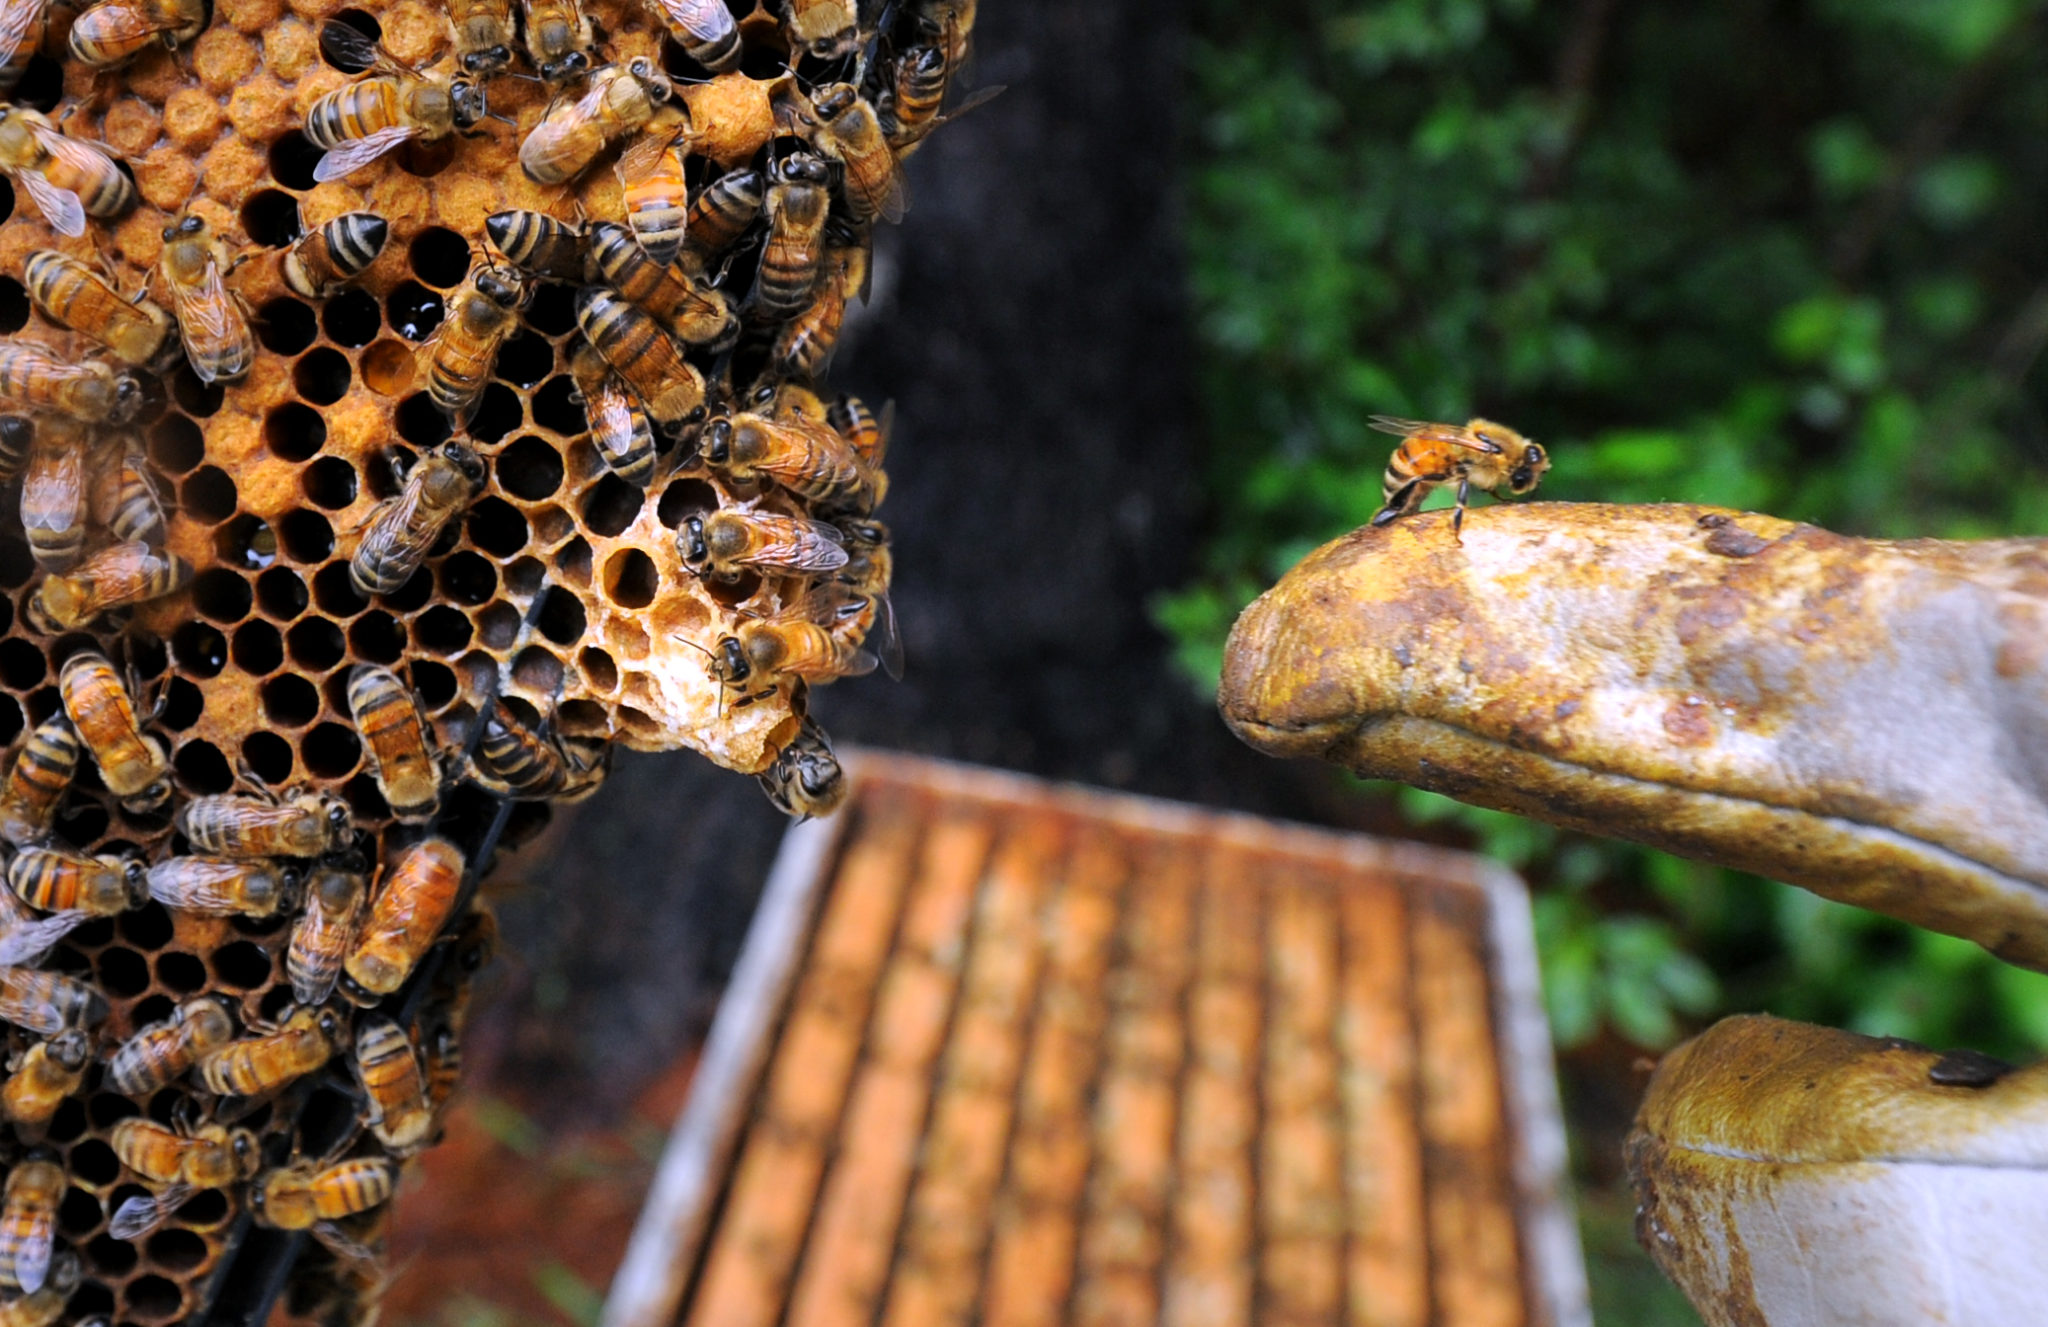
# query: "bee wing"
[340,1244]
[887,639]
[800,545]
[895,198]
[643,155]
[705,20]
[16,19]
[1451,434]
[138,1216]
[60,207]
[32,1256]
[25,944]
[207,316]
[357,153]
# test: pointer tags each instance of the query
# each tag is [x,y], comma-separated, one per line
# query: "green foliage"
[1781,256]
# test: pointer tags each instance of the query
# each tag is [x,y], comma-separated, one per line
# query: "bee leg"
[1458,515]
[1400,502]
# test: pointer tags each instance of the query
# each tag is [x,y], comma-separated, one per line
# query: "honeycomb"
[559,590]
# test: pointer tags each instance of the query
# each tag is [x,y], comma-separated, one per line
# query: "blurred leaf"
[572,1296]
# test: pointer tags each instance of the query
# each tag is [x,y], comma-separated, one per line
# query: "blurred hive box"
[1011,1053]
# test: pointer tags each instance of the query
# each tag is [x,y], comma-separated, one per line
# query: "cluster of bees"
[708,305]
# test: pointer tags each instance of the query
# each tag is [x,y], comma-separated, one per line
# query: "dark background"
[1028,320]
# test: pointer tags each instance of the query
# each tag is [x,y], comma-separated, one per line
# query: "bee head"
[834,101]
[185,225]
[569,66]
[690,544]
[248,1157]
[502,287]
[1529,470]
[471,104]
[466,461]
[135,878]
[127,398]
[653,80]
[718,442]
[729,664]
[487,60]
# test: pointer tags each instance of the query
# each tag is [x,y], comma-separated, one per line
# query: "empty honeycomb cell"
[330,750]
[335,593]
[552,310]
[413,311]
[222,595]
[202,768]
[388,367]
[630,580]
[551,525]
[329,482]
[41,85]
[270,756]
[442,630]
[682,498]
[306,536]
[208,495]
[497,413]
[93,1162]
[154,1296]
[468,578]
[270,218]
[439,257]
[365,798]
[146,927]
[180,972]
[68,1124]
[292,159]
[537,670]
[377,637]
[257,648]
[21,664]
[555,407]
[290,702]
[294,431]
[524,577]
[611,505]
[529,468]
[17,564]
[561,617]
[351,318]
[420,422]
[122,973]
[498,626]
[81,824]
[286,326]
[573,562]
[281,593]
[14,305]
[496,527]
[435,683]
[246,542]
[525,359]
[315,644]
[411,596]
[201,400]
[598,668]
[322,376]
[176,445]
[104,1110]
[79,1213]
[184,702]
[736,591]
[204,1210]
[176,1251]
[242,965]
[199,650]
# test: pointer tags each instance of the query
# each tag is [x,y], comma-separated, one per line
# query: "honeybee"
[390,105]
[184,1161]
[36,379]
[949,21]
[864,430]
[304,824]
[69,292]
[443,1066]
[114,32]
[44,1308]
[618,428]
[28,1223]
[797,204]
[560,39]
[803,346]
[862,610]
[722,211]
[160,1054]
[849,133]
[387,714]
[641,353]
[418,894]
[810,460]
[255,1065]
[806,780]
[325,931]
[55,880]
[53,497]
[67,178]
[37,781]
[483,35]
[311,1198]
[222,886]
[654,194]
[568,138]
[404,528]
[723,544]
[131,764]
[334,254]
[538,244]
[396,1087]
[194,265]
[515,760]
[769,649]
[704,29]
[48,1072]
[464,347]
[17,435]
[821,29]
[21,36]
[1481,454]
[917,88]
[115,577]
[123,497]
[695,313]
[48,1003]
